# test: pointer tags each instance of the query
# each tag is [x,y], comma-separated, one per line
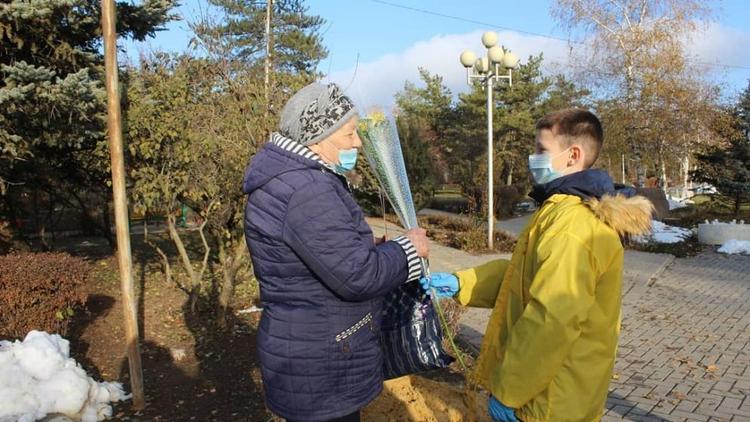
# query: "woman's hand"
[419,239]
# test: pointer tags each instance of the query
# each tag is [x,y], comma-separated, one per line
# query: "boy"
[550,345]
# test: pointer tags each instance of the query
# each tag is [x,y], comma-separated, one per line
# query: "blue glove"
[500,412]
[445,284]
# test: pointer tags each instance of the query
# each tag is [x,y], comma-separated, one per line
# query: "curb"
[668,263]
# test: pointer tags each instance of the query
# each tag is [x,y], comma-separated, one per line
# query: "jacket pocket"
[357,334]
[353,361]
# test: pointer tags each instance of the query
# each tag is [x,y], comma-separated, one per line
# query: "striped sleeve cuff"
[414,267]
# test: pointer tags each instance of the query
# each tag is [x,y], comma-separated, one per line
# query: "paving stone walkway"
[684,350]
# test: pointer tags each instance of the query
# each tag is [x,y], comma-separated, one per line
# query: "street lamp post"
[498,65]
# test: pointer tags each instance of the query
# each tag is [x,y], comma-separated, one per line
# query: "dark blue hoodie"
[590,183]
[322,280]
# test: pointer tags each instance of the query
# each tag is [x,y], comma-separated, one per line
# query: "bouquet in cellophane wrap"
[411,336]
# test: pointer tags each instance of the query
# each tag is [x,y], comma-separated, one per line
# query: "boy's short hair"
[576,126]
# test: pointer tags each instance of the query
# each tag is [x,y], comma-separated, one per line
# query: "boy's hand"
[500,412]
[445,284]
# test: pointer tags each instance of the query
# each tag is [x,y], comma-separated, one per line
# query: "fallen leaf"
[678,395]
[178,354]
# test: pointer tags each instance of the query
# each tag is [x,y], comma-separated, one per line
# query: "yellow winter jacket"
[550,345]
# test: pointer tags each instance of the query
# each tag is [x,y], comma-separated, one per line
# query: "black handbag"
[410,335]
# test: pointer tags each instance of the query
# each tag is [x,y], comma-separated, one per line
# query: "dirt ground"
[194,371]
[415,398]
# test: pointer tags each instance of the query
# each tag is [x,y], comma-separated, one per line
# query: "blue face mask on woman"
[541,168]
[347,160]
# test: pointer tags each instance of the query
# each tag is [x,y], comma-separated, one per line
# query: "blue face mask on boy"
[347,160]
[541,168]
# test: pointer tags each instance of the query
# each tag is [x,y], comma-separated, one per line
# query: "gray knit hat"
[315,112]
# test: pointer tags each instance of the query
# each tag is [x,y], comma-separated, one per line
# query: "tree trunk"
[193,287]
[230,267]
[107,222]
[686,175]
[640,170]
[633,142]
[165,259]
[227,287]
[509,179]
[737,202]
[39,224]
[268,65]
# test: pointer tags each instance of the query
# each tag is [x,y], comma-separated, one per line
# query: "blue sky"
[391,42]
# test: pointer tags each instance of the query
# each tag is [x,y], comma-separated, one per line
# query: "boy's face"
[564,159]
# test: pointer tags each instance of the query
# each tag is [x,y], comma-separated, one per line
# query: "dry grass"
[469,236]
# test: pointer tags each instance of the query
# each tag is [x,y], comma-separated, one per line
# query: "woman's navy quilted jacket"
[322,280]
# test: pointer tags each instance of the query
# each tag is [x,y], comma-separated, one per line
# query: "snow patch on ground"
[677,203]
[664,233]
[736,247]
[38,377]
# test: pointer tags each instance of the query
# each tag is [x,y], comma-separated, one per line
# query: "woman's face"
[344,138]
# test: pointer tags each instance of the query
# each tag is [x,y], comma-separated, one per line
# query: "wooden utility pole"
[124,259]
[269,49]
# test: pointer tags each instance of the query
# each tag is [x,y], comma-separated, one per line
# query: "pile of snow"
[664,233]
[677,203]
[705,189]
[38,378]
[736,247]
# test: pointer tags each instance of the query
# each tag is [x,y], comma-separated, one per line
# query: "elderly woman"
[322,276]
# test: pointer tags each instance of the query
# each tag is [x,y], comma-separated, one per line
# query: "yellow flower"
[373,119]
[362,125]
[376,117]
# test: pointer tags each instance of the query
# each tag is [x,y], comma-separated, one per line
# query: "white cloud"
[726,46]
[376,82]
[721,44]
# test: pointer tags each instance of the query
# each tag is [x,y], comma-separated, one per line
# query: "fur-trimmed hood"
[628,216]
[616,206]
